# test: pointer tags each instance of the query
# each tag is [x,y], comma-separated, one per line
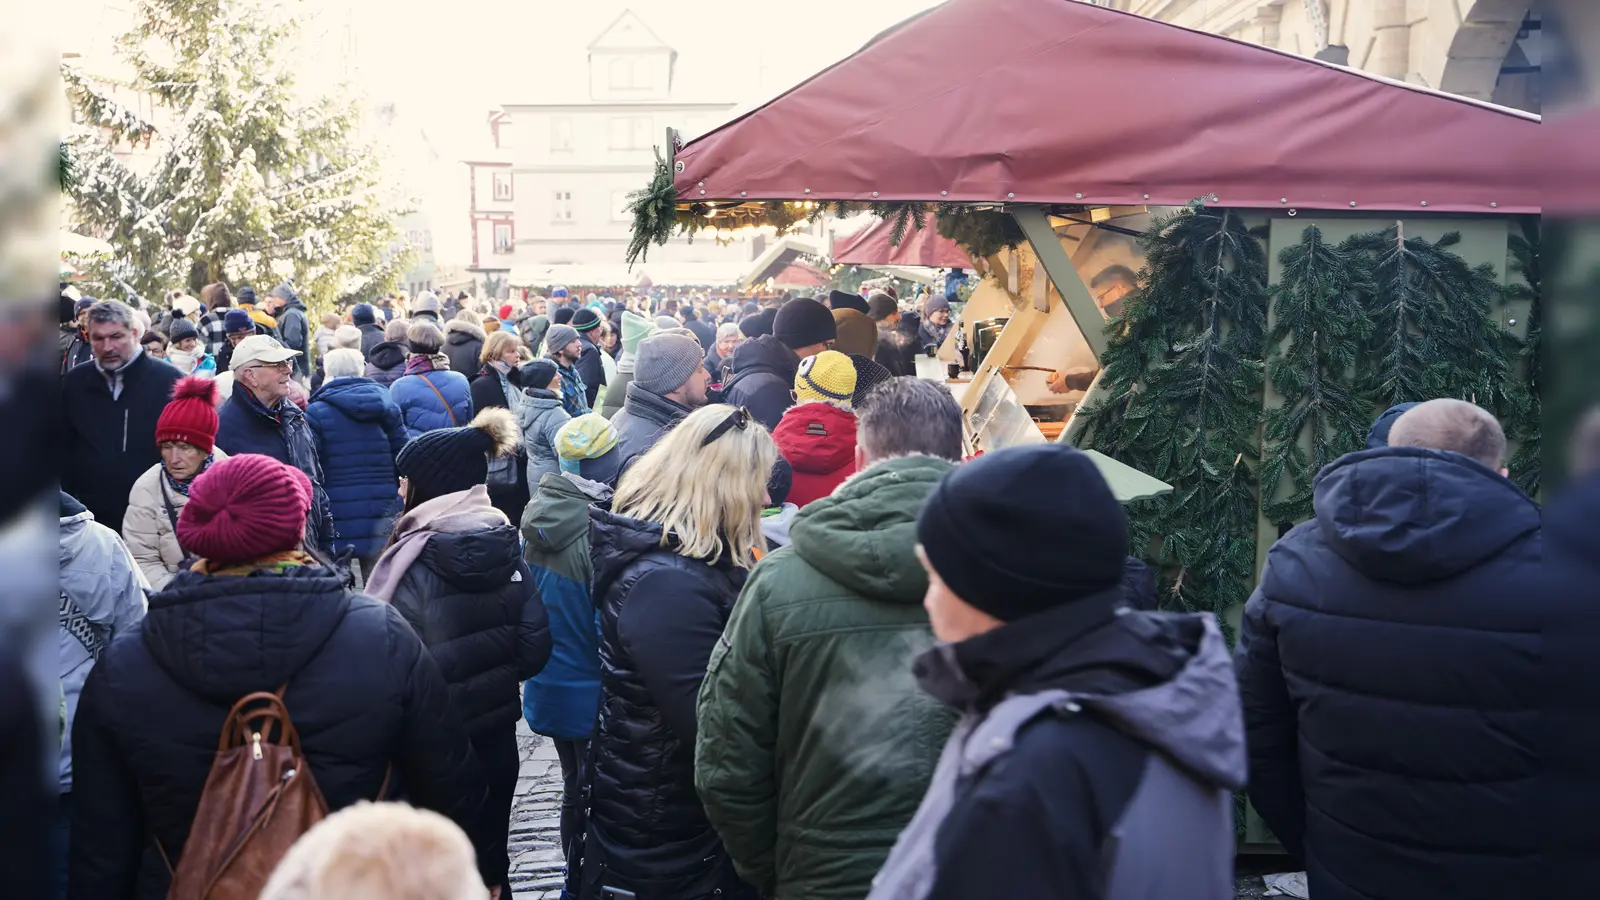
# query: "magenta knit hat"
[244,508]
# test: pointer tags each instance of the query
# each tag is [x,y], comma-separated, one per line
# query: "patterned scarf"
[182,487]
[275,563]
[416,364]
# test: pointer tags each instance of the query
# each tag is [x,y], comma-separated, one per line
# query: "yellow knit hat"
[829,376]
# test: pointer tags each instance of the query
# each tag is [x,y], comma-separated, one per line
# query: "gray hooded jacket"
[1171,837]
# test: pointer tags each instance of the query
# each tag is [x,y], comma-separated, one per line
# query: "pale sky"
[445,65]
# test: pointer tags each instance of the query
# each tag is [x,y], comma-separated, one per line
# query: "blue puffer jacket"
[421,407]
[1392,675]
[359,433]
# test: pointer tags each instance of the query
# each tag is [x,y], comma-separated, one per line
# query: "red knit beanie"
[244,508]
[505,310]
[191,417]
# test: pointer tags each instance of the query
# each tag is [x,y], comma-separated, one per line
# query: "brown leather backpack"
[258,799]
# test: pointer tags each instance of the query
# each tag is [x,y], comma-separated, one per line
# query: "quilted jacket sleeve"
[671,642]
[442,774]
[735,748]
[141,532]
[1271,724]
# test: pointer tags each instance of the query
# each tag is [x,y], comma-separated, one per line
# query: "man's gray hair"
[909,416]
[344,363]
[113,312]
[1453,425]
[396,330]
[347,337]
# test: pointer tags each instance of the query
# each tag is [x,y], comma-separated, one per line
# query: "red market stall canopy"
[1059,101]
[918,247]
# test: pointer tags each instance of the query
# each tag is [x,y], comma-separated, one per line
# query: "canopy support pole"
[1053,259]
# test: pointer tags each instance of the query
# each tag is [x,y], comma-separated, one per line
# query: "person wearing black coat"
[463,344]
[664,593]
[110,438]
[367,699]
[589,366]
[454,570]
[365,318]
[30,863]
[488,388]
[1390,668]
[761,374]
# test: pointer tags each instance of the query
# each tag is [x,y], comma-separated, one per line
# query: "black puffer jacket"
[1390,668]
[472,600]
[360,688]
[386,363]
[660,616]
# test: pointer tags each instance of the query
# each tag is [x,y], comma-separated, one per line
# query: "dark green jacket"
[815,744]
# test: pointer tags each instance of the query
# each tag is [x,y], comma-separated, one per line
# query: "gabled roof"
[629,32]
[1060,101]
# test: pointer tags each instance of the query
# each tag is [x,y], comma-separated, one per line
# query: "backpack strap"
[166,500]
[448,411]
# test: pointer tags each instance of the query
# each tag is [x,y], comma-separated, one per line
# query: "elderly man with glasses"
[260,418]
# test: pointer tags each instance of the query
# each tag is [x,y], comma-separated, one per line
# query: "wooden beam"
[1053,259]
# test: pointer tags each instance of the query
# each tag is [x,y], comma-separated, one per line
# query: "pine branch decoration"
[655,212]
[1316,340]
[1527,464]
[1184,373]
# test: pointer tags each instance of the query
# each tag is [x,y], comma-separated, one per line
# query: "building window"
[619,207]
[630,132]
[502,186]
[502,238]
[563,206]
[561,134]
[621,74]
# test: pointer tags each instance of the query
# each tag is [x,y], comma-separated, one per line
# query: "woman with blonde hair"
[669,560]
[495,385]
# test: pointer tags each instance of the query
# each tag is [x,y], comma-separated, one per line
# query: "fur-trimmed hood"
[456,326]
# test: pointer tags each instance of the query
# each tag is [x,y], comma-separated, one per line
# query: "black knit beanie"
[780,481]
[803,322]
[847,300]
[562,316]
[447,460]
[757,325]
[1025,529]
[536,373]
[585,319]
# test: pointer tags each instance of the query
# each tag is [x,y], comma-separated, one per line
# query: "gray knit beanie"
[559,336]
[665,362]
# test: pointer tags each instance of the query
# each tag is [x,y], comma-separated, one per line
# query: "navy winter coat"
[244,425]
[359,434]
[110,443]
[363,693]
[1391,670]
[423,409]
[762,379]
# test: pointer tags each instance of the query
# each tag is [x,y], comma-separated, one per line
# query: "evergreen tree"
[252,182]
[1318,330]
[1183,373]
[1433,334]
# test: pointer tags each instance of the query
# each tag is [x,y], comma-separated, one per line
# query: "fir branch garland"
[1316,339]
[1527,464]
[655,212]
[1184,375]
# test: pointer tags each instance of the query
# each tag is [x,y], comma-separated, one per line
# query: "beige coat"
[147,530]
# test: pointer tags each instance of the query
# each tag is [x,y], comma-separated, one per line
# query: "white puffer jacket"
[147,529]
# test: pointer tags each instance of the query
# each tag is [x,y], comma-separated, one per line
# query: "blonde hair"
[379,851]
[706,496]
[496,345]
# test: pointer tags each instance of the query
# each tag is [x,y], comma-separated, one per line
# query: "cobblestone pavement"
[535,843]
[536,825]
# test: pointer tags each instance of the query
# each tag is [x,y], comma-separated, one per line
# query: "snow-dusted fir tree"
[252,180]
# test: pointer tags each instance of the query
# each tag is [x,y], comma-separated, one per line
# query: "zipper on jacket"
[125,430]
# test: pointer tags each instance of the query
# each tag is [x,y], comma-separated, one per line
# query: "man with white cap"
[260,418]
[669,381]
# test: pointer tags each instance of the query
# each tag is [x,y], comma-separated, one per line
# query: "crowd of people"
[788,639]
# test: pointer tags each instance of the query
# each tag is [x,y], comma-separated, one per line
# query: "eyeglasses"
[739,418]
[276,367]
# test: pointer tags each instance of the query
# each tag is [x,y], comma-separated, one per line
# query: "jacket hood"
[615,542]
[863,536]
[75,519]
[817,438]
[1408,515]
[474,560]
[387,355]
[765,352]
[458,332]
[222,637]
[360,399]
[559,511]
[1165,679]
[535,403]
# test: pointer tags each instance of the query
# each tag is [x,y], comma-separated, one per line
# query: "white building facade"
[548,201]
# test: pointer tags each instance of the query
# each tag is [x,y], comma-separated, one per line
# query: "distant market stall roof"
[1063,102]
[871,246]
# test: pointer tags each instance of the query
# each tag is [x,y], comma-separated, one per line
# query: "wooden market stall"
[1179,230]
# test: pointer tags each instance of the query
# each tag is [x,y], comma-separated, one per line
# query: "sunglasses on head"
[739,418]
